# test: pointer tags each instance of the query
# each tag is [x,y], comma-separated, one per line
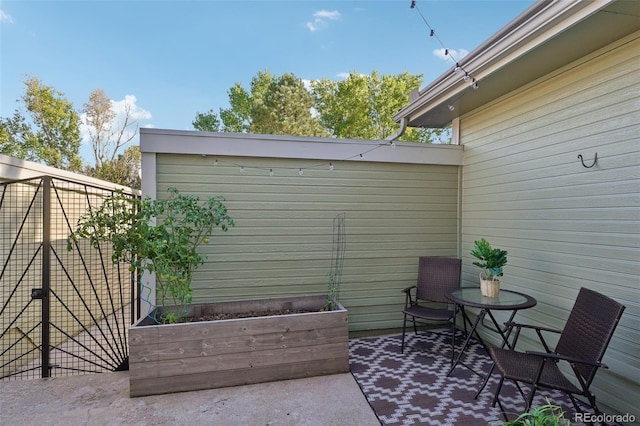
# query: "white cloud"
[454,55]
[129,103]
[322,18]
[332,15]
[5,17]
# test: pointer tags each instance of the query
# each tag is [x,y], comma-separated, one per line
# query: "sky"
[170,59]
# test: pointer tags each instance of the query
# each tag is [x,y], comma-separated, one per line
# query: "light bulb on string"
[215,163]
[432,33]
[393,144]
[362,156]
[474,85]
[331,167]
[241,169]
[300,172]
[451,107]
[271,172]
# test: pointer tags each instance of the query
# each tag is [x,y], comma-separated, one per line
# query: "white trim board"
[161,141]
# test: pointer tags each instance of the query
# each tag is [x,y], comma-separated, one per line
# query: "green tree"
[358,107]
[125,170]
[273,105]
[237,118]
[16,139]
[52,136]
[362,106]
[285,109]
[206,122]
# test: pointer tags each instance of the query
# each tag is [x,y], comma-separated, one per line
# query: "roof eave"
[535,26]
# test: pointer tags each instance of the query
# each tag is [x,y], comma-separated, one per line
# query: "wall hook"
[595,160]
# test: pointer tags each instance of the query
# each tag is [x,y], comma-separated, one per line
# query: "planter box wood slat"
[211,354]
[237,344]
[200,381]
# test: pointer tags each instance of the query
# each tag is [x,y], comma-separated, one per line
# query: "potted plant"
[491,260]
[179,346]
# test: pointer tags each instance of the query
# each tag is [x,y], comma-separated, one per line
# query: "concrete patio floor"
[103,399]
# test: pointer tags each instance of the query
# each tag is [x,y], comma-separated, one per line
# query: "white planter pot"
[490,288]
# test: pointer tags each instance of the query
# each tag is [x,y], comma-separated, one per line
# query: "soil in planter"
[221,316]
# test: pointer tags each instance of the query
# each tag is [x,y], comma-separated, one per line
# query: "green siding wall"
[282,242]
[564,225]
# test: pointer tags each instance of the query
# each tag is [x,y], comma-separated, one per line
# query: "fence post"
[46,272]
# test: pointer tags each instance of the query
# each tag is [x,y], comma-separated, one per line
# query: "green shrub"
[168,248]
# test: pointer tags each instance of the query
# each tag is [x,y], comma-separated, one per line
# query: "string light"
[432,33]
[331,166]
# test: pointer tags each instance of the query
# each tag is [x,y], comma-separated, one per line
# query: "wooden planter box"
[211,354]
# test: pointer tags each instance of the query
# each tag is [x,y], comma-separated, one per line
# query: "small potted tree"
[491,260]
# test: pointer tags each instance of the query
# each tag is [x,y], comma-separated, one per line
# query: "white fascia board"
[160,141]
[536,25]
[12,168]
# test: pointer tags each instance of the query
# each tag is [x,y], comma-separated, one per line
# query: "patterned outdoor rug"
[413,388]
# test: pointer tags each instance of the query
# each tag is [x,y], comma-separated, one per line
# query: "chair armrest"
[558,357]
[533,327]
[408,300]
[538,329]
[408,289]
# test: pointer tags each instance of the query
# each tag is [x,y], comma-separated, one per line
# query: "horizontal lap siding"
[564,225]
[283,239]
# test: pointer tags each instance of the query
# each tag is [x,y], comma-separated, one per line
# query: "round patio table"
[471,297]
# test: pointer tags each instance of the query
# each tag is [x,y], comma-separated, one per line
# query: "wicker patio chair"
[436,276]
[582,344]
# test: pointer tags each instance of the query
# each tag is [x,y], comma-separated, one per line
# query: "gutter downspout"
[403,126]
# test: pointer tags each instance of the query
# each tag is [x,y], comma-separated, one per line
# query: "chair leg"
[498,389]
[404,329]
[530,398]
[592,403]
[496,398]
[576,406]
[485,381]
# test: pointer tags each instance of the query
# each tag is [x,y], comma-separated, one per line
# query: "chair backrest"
[589,329]
[436,276]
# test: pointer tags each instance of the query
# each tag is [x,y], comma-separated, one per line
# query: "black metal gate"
[61,312]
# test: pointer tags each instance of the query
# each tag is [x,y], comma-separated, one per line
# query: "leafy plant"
[545,415]
[168,248]
[490,259]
